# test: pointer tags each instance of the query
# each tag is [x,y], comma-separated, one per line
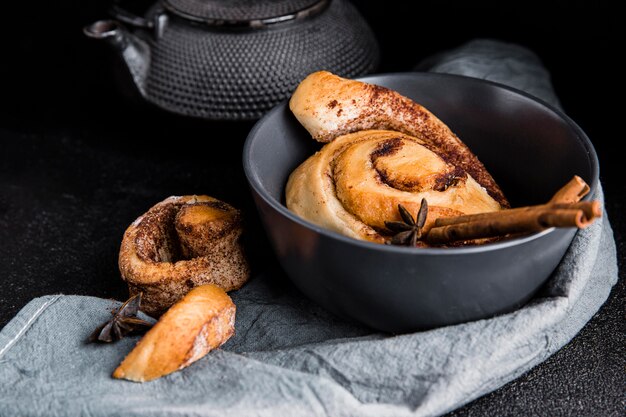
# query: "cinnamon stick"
[563,210]
[590,209]
[571,192]
[500,223]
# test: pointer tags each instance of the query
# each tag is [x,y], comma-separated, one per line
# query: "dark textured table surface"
[79,162]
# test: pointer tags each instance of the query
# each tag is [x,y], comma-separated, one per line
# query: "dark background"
[48,63]
[79,160]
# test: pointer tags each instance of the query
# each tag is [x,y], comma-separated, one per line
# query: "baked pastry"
[329,106]
[180,243]
[382,151]
[202,321]
[356,182]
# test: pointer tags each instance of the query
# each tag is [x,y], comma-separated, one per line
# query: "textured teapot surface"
[242,11]
[236,60]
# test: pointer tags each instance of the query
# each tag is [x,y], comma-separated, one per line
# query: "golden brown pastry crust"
[180,243]
[329,106]
[355,183]
[202,321]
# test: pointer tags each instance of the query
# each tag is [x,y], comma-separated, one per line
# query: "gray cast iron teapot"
[236,59]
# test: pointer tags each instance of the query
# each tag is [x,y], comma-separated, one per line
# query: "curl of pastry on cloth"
[180,243]
[383,150]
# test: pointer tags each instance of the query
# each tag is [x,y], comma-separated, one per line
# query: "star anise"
[409,230]
[123,322]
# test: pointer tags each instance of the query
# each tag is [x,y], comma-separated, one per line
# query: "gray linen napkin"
[505,63]
[289,357]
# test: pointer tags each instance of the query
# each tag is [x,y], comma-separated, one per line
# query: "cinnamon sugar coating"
[180,243]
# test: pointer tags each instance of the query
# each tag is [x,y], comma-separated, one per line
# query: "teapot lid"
[243,12]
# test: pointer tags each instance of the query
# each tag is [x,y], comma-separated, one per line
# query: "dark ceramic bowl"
[530,148]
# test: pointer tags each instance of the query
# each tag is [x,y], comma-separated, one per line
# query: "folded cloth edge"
[20,324]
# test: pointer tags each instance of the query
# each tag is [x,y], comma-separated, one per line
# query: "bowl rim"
[255,183]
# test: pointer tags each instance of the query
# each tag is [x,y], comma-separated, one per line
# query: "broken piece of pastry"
[201,321]
[180,243]
[384,150]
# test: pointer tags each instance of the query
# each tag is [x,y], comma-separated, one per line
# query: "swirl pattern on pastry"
[355,183]
[329,106]
[180,243]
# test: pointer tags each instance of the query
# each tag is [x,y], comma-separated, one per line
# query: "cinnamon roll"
[329,106]
[382,150]
[355,183]
[180,243]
